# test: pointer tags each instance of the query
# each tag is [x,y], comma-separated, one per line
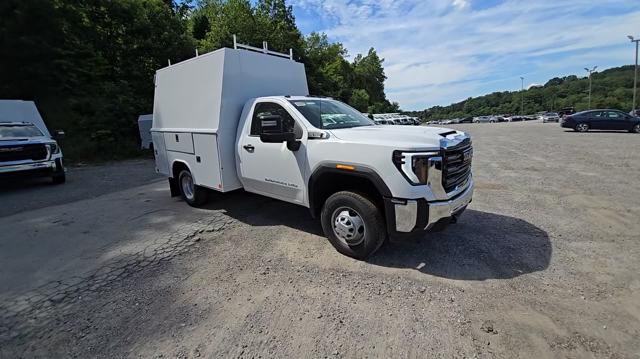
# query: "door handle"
[249,148]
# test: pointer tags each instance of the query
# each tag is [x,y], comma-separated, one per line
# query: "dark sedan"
[601,120]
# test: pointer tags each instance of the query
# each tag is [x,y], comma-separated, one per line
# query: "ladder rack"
[264,49]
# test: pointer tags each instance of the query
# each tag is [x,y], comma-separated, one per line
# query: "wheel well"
[177,168]
[329,183]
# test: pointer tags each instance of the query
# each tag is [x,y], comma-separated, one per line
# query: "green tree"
[369,75]
[360,100]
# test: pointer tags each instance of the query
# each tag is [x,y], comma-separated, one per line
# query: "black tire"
[59,178]
[374,231]
[636,128]
[195,195]
[581,127]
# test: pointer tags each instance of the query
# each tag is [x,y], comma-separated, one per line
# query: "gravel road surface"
[544,264]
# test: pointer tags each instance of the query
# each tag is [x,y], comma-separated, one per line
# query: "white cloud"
[452,47]
[461,4]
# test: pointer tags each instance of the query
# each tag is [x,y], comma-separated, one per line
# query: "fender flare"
[358,171]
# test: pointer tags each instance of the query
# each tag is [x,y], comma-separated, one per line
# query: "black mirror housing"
[271,124]
[277,137]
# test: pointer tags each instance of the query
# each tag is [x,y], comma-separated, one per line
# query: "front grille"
[35,152]
[456,165]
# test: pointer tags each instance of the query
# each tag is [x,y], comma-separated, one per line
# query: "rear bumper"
[417,215]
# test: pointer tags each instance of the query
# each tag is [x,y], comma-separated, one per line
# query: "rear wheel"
[353,224]
[193,194]
[582,127]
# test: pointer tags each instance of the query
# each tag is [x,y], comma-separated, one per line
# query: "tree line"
[611,88]
[89,64]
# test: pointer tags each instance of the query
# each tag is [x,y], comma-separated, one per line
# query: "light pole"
[635,74]
[522,97]
[590,72]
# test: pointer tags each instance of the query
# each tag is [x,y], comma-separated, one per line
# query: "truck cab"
[324,155]
[365,182]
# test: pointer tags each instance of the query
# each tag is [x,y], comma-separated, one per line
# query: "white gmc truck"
[234,119]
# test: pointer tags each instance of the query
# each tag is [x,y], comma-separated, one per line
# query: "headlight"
[54,148]
[414,166]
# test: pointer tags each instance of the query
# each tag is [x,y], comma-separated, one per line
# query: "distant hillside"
[612,88]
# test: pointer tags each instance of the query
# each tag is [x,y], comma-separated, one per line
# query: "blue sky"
[442,51]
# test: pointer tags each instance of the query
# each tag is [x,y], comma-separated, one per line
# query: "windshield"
[330,114]
[10,131]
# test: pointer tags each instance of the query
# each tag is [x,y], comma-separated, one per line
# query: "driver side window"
[269,108]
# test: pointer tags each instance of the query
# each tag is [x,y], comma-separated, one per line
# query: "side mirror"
[271,124]
[278,137]
[272,131]
[58,135]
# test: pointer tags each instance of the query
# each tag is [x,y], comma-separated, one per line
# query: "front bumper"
[42,167]
[418,215]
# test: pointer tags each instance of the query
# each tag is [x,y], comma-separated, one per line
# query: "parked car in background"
[549,117]
[450,121]
[484,119]
[566,112]
[515,118]
[635,113]
[601,120]
[144,129]
[466,120]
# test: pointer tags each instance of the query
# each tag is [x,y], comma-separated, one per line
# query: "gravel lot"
[544,264]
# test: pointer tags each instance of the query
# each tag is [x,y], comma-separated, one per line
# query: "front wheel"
[582,127]
[353,224]
[193,194]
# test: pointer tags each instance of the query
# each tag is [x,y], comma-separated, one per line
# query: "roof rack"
[264,49]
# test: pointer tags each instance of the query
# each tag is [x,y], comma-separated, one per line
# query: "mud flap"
[173,187]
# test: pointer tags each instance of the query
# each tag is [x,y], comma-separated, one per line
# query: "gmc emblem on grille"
[467,155]
[11,149]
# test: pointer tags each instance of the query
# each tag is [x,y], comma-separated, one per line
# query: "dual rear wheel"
[193,194]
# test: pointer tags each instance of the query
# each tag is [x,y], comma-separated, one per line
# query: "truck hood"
[10,141]
[402,137]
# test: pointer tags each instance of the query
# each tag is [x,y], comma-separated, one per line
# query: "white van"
[241,119]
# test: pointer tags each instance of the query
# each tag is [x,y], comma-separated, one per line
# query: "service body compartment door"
[160,153]
[206,169]
[179,142]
